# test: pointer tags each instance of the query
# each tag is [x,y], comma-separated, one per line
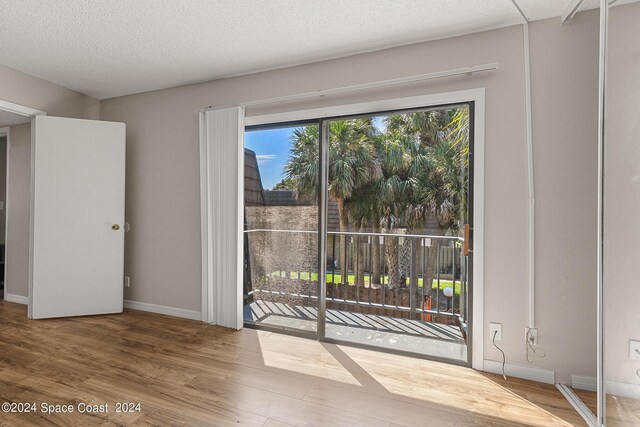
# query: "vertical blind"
[221,177]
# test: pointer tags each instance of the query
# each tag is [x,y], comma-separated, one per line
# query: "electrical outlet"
[634,349]
[495,329]
[127,281]
[531,335]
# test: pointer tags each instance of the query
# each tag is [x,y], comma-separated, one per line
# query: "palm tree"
[303,167]
[441,173]
[392,193]
[424,125]
[352,164]
[413,171]
[358,211]
[457,133]
[436,180]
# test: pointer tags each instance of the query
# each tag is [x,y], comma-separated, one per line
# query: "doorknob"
[115,227]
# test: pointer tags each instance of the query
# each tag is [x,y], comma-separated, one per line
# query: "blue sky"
[272,151]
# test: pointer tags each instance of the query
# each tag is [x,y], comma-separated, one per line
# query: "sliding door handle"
[465,244]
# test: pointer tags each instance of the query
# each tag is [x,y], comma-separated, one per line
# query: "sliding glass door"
[359,228]
[281,227]
[397,196]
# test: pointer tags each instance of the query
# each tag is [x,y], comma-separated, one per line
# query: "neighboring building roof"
[252,180]
[256,195]
[281,198]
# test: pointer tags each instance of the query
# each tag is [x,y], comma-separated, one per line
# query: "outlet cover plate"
[634,349]
[531,335]
[493,327]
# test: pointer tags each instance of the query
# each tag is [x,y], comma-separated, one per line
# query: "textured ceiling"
[107,48]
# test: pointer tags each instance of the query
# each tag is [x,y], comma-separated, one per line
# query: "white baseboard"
[143,306]
[519,371]
[584,382]
[18,299]
[163,309]
[623,389]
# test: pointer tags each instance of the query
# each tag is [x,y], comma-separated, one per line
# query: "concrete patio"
[416,336]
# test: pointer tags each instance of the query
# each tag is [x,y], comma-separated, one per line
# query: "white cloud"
[265,158]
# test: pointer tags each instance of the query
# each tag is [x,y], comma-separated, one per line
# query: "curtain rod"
[363,86]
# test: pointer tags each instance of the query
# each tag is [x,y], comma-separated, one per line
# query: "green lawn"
[337,278]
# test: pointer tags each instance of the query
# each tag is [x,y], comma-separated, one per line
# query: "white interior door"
[77,217]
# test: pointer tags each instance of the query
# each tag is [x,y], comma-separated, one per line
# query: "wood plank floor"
[185,373]
[621,411]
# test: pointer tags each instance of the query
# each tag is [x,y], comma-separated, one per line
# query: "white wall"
[163,247]
[622,195]
[36,93]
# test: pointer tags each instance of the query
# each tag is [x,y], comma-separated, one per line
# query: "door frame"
[21,110]
[6,132]
[477,96]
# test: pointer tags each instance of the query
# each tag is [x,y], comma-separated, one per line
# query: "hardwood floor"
[621,411]
[185,373]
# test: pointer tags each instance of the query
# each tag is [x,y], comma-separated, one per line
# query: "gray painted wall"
[622,195]
[565,117]
[55,100]
[163,247]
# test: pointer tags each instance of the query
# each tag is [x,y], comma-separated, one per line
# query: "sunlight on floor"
[276,353]
[403,378]
[622,411]
[453,386]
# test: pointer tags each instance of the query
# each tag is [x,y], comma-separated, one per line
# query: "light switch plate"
[634,349]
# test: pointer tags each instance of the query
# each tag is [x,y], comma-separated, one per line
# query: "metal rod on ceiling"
[570,11]
[363,86]
[573,8]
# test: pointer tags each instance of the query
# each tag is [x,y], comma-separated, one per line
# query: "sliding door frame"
[322,229]
[475,98]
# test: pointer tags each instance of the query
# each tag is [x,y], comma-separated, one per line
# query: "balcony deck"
[416,336]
